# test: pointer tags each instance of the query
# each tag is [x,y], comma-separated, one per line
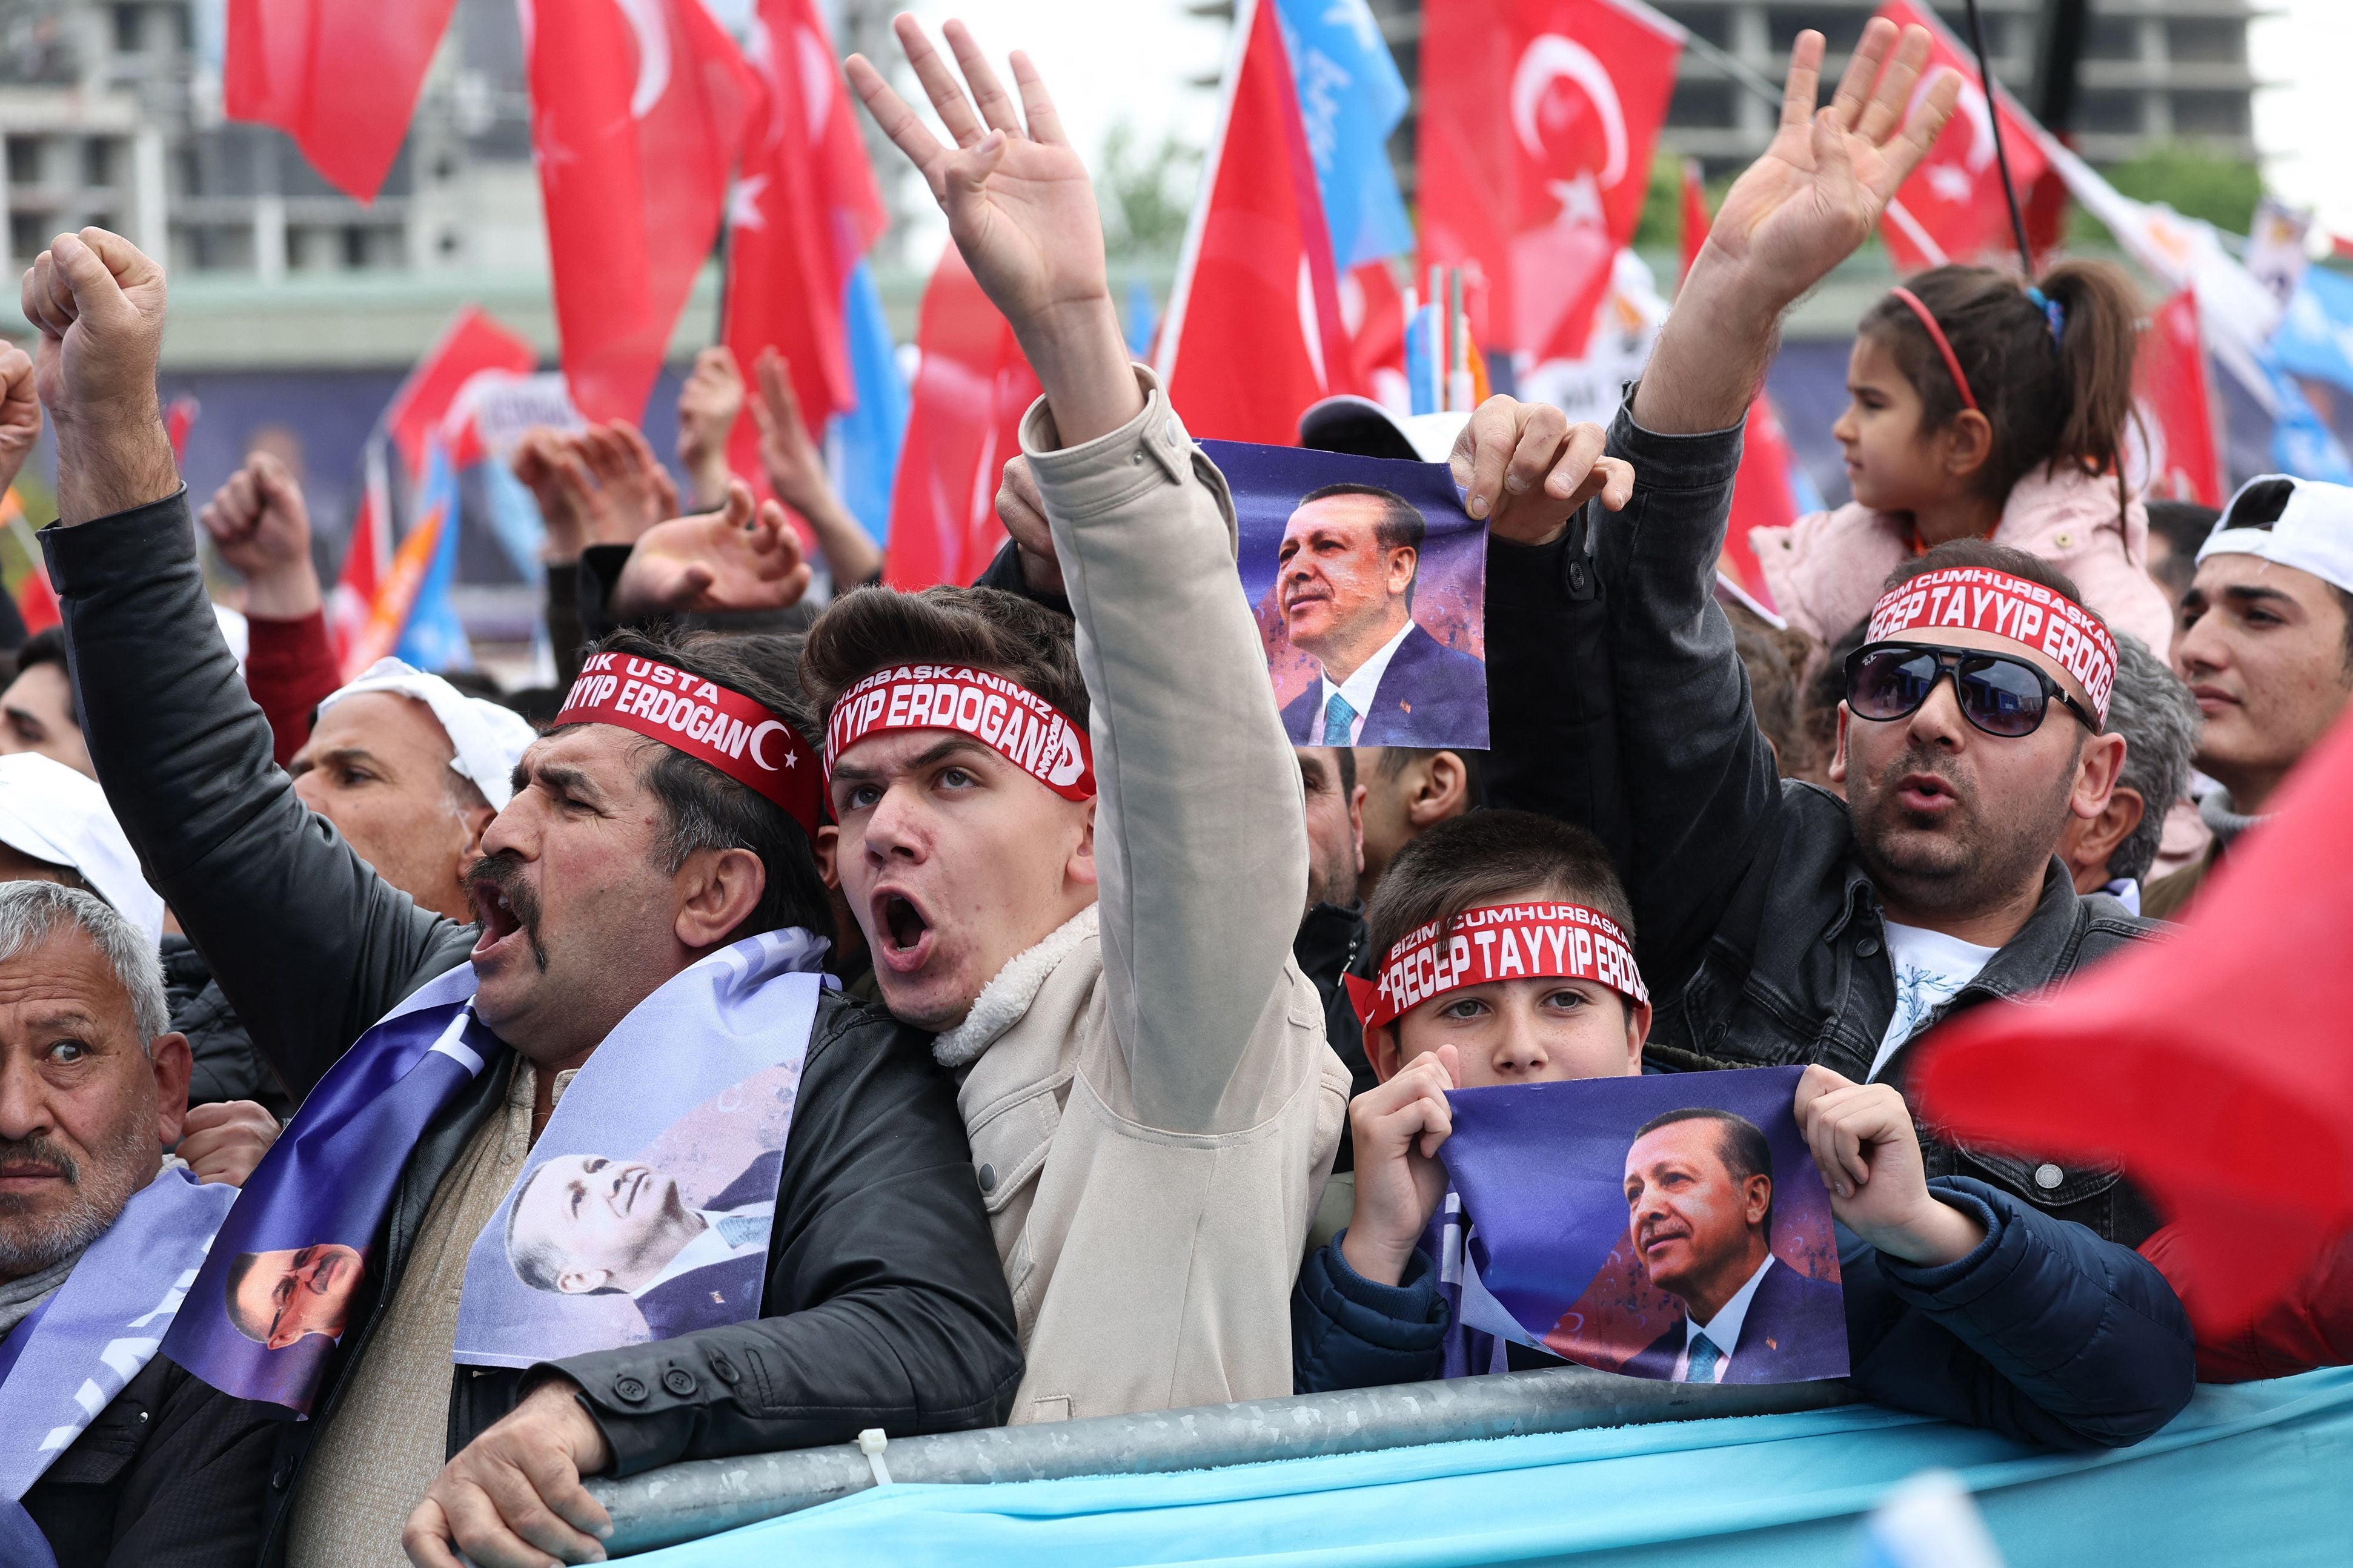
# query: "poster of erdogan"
[1369,583]
[1672,1226]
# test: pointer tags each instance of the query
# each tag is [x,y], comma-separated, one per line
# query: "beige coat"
[1152,1104]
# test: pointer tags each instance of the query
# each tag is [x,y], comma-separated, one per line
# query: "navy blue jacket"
[1430,695]
[1775,1344]
[2045,1333]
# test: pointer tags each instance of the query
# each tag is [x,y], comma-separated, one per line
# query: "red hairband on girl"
[1944,344]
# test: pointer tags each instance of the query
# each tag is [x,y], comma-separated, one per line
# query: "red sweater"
[289,666]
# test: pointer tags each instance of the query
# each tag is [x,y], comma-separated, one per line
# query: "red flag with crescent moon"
[1255,331]
[1953,209]
[803,209]
[638,110]
[1537,121]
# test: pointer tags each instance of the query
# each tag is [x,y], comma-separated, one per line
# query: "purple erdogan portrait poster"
[1369,582]
[1671,1226]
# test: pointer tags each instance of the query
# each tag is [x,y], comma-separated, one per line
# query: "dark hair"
[2183,524]
[1775,658]
[1474,768]
[1399,525]
[1740,1141]
[2157,717]
[986,628]
[1490,855]
[476,683]
[2057,403]
[703,809]
[49,647]
[1347,772]
[238,1268]
[1986,556]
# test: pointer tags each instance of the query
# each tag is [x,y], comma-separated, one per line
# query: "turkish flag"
[368,563]
[2217,1063]
[1254,332]
[1762,496]
[1372,308]
[804,209]
[2176,453]
[1537,121]
[963,423]
[472,343]
[638,108]
[1952,209]
[342,79]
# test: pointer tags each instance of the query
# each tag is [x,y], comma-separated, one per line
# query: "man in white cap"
[411,770]
[2266,644]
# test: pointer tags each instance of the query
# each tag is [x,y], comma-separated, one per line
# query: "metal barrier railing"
[703,1497]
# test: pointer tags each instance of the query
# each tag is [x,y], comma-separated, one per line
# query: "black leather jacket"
[1759,931]
[886,1306]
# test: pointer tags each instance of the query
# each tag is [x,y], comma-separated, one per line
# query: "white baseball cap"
[1362,428]
[488,740]
[2303,523]
[51,813]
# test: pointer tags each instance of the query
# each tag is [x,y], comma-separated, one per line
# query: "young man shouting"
[1082,859]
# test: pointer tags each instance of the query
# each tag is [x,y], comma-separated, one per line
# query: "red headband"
[1004,715]
[1498,942]
[706,722]
[1944,344]
[1982,599]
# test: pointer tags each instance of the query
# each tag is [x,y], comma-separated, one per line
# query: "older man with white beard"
[98,1237]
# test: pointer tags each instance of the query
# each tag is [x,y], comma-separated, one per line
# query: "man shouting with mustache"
[659,838]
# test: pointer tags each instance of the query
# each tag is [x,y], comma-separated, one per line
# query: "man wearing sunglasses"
[1778,924]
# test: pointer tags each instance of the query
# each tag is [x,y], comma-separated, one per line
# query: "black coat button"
[678,1381]
[725,1371]
[1868,947]
[989,1178]
[628,1388]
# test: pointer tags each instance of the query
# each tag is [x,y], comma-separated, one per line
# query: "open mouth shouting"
[902,938]
[507,910]
[1926,794]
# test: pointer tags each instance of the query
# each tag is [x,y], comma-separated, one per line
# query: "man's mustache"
[504,870]
[38,1150]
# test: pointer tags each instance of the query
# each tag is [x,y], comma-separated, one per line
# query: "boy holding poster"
[1958,1300]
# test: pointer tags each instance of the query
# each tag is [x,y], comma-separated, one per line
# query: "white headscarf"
[488,739]
[51,813]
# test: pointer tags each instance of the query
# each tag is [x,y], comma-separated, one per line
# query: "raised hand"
[708,405]
[1022,212]
[1817,191]
[548,466]
[632,491]
[98,303]
[795,467]
[1868,1152]
[1022,510]
[20,412]
[1398,1128]
[258,524]
[1796,212]
[726,560]
[1526,470]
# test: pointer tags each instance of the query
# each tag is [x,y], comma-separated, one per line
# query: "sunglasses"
[1998,693]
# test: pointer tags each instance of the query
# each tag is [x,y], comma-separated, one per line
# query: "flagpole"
[2001,157]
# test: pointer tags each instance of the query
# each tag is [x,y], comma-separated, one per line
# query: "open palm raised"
[1017,199]
[1814,196]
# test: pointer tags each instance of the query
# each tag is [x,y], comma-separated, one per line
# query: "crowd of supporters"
[1091,1120]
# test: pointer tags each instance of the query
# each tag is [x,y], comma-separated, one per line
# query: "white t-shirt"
[1930,970]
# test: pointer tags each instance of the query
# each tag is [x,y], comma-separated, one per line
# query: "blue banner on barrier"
[2252,1472]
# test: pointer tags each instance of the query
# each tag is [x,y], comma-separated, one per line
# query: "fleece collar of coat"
[1004,1000]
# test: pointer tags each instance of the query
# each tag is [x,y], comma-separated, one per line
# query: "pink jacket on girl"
[1825,570]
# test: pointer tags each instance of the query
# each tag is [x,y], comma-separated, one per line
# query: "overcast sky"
[1133,59]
